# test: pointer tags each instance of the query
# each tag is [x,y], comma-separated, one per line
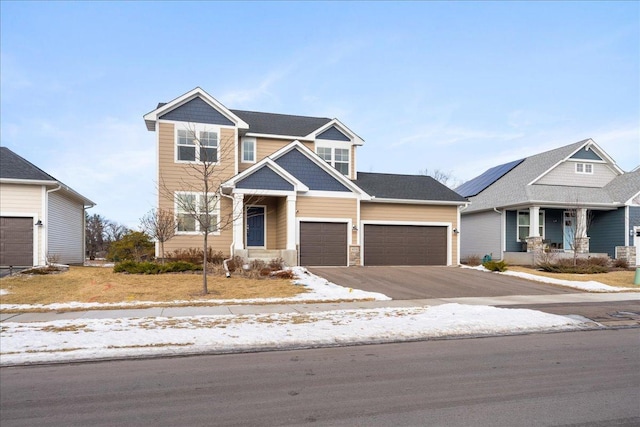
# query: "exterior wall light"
[39,223]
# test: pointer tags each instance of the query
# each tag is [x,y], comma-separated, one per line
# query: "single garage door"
[405,245]
[323,243]
[16,242]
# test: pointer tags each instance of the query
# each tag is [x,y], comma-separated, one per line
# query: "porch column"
[534,240]
[582,240]
[238,222]
[291,223]
[534,221]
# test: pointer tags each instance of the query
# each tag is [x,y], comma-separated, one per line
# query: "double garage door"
[16,242]
[325,244]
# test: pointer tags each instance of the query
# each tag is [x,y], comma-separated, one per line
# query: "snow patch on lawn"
[590,286]
[67,340]
[4,292]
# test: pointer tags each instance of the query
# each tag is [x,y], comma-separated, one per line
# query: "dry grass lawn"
[102,285]
[621,279]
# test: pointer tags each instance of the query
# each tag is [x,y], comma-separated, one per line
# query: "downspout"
[45,232]
[233,242]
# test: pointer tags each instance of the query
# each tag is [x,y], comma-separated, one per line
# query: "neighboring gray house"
[40,217]
[573,198]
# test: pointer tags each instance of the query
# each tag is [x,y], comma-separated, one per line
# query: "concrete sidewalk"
[316,307]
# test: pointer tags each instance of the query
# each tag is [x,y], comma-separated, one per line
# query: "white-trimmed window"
[336,157]
[195,145]
[248,150]
[189,206]
[524,223]
[586,168]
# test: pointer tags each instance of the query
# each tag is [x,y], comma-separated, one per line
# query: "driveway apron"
[421,282]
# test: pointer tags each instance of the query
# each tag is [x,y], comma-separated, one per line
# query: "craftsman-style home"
[286,187]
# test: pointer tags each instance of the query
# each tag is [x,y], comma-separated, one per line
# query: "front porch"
[264,228]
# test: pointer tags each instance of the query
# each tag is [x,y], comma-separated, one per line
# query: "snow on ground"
[4,292]
[67,340]
[318,289]
[590,286]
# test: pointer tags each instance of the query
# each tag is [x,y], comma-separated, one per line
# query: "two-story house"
[571,199]
[288,187]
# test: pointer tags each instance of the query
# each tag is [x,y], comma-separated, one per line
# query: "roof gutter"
[418,202]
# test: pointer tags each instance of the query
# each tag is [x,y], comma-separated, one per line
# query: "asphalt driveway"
[417,282]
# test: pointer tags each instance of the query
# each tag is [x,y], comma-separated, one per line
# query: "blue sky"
[454,86]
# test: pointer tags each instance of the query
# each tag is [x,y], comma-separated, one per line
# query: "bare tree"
[443,177]
[94,234]
[197,197]
[577,222]
[160,224]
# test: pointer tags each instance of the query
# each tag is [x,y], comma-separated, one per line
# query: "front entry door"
[569,230]
[255,226]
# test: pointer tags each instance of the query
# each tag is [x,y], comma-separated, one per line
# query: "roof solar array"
[478,184]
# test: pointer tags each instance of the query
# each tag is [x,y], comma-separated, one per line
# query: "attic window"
[586,168]
[336,157]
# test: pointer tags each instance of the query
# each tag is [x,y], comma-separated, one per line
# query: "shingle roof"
[406,187]
[513,189]
[280,124]
[12,166]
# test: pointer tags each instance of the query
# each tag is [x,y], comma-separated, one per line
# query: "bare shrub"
[472,260]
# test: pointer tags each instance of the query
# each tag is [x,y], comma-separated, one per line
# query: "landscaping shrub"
[147,267]
[578,266]
[495,265]
[621,263]
[472,260]
[195,255]
[135,246]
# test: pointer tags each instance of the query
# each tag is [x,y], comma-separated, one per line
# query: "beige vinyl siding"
[413,214]
[65,229]
[271,221]
[22,200]
[175,176]
[327,207]
[565,174]
[281,223]
[219,242]
[401,212]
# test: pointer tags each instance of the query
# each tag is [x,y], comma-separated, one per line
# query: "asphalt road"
[420,282]
[578,378]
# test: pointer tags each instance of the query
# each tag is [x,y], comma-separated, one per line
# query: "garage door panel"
[405,245]
[16,241]
[323,243]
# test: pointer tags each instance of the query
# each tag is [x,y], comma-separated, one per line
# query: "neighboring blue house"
[571,199]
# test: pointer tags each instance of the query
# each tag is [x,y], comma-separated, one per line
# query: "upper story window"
[336,157]
[248,150]
[196,146]
[584,168]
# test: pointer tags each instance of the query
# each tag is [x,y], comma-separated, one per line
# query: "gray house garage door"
[405,245]
[16,241]
[323,243]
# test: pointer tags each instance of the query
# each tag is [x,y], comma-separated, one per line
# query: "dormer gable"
[335,131]
[195,106]
[587,166]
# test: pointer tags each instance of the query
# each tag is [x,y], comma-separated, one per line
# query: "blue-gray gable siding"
[197,111]
[265,179]
[586,155]
[333,134]
[512,245]
[313,176]
[606,231]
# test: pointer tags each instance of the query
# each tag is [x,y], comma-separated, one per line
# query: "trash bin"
[636,280]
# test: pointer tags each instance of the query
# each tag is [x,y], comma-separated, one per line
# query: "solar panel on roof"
[480,183]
